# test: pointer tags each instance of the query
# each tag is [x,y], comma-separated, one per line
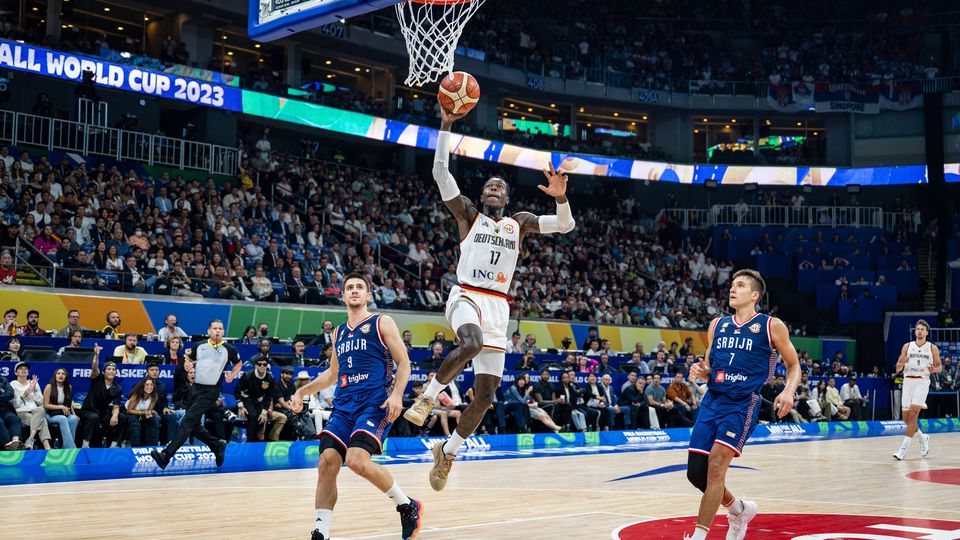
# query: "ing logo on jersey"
[501,278]
[508,228]
[365,328]
[755,328]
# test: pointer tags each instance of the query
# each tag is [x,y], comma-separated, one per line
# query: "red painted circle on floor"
[937,476]
[793,527]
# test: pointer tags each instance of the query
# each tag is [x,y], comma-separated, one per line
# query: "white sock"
[906,442]
[324,519]
[434,388]
[735,507]
[453,444]
[397,495]
[700,533]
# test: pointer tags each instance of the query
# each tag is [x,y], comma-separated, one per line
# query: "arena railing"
[121,144]
[28,257]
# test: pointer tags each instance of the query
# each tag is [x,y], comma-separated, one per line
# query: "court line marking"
[512,521]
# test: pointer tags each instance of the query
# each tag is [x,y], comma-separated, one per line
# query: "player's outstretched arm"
[460,206]
[780,336]
[398,351]
[701,370]
[563,221]
[937,367]
[902,360]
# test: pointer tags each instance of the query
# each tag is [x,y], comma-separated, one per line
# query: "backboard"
[268,20]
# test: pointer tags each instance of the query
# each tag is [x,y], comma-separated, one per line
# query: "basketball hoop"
[431,29]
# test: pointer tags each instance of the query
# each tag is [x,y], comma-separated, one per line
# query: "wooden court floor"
[530,498]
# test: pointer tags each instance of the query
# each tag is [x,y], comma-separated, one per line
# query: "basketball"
[459,92]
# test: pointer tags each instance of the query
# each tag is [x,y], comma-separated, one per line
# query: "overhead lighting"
[367,70]
[589,124]
[416,96]
[767,122]
[120,28]
[330,76]
[504,114]
[815,133]
[553,105]
[733,121]
[328,62]
[35,8]
[106,9]
[146,18]
[616,114]
[230,53]
[799,124]
[356,69]
[644,117]
[581,109]
[256,45]
[726,126]
[224,37]
[696,131]
[260,60]
[512,106]
[704,119]
[633,123]
[529,109]
[523,117]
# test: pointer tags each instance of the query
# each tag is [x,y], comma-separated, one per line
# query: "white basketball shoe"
[738,523]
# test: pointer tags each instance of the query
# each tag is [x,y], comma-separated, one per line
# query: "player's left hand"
[228,376]
[557,181]
[783,404]
[393,406]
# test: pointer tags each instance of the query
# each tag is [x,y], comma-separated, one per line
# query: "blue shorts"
[724,420]
[365,428]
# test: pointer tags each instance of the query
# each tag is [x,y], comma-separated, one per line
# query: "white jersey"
[919,360]
[489,253]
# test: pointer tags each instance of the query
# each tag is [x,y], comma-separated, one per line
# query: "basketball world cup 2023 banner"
[67,66]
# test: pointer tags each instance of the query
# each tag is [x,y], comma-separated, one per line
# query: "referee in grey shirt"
[210,359]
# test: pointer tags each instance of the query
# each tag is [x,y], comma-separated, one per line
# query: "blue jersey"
[366,368]
[742,356]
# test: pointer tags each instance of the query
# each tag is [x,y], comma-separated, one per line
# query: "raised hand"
[556,180]
[698,371]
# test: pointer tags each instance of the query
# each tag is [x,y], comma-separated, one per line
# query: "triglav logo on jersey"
[755,328]
[343,381]
[732,378]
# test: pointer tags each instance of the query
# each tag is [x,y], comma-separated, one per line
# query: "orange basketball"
[459,92]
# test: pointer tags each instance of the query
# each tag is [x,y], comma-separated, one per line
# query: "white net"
[431,29]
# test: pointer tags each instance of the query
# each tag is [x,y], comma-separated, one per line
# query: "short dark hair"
[9,311]
[210,324]
[759,284]
[33,312]
[919,322]
[357,275]
[298,340]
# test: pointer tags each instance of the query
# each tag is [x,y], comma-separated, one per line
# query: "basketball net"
[431,29]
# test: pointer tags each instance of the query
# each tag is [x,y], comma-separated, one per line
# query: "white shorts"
[914,393]
[493,313]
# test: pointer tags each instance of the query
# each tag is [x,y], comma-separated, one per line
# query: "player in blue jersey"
[742,356]
[366,402]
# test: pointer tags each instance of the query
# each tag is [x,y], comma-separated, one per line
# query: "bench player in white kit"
[477,308]
[918,359]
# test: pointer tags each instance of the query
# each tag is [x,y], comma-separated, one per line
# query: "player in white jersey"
[918,359]
[477,308]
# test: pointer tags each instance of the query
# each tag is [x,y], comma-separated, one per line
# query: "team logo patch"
[365,328]
[508,228]
[755,328]
[731,434]
[264,385]
[799,526]
[720,376]
[724,327]
[343,381]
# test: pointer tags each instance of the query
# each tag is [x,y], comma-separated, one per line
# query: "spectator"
[596,401]
[313,410]
[667,414]
[567,397]
[520,392]
[530,343]
[130,352]
[436,358]
[143,421]
[263,351]
[58,403]
[513,346]
[545,394]
[12,354]
[283,390]
[326,335]
[9,326]
[100,413]
[853,399]
[8,272]
[679,393]
[28,401]
[170,418]
[633,397]
[170,328]
[407,337]
[249,336]
[73,323]
[613,403]
[255,392]
[32,327]
[832,397]
[112,329]
[527,363]
[10,424]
